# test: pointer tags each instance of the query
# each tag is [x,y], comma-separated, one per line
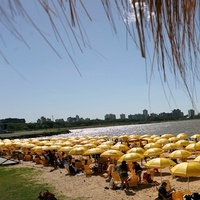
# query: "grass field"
[19,184]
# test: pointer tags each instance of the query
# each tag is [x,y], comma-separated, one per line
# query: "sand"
[94,186]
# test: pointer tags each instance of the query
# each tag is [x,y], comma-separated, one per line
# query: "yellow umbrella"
[185,169]
[179,154]
[162,141]
[90,145]
[104,146]
[130,157]
[195,136]
[193,147]
[37,148]
[93,151]
[167,135]
[136,150]
[65,149]
[77,151]
[112,153]
[151,145]
[160,163]
[121,147]
[181,143]
[123,137]
[197,159]
[169,146]
[153,152]
[173,139]
[182,136]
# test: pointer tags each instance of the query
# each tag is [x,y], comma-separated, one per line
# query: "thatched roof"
[173,25]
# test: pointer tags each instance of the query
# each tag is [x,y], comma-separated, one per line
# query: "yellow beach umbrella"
[65,149]
[90,145]
[197,159]
[112,153]
[195,136]
[139,150]
[77,150]
[133,137]
[167,135]
[186,169]
[130,157]
[121,147]
[181,143]
[162,141]
[173,139]
[93,151]
[37,148]
[151,145]
[153,152]
[193,147]
[104,146]
[1,143]
[181,153]
[169,146]
[160,163]
[182,136]
[123,137]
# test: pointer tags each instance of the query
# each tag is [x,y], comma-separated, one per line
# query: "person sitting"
[150,180]
[73,169]
[163,193]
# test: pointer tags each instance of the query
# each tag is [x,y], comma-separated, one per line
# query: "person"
[150,180]
[163,193]
[138,170]
[73,169]
[123,168]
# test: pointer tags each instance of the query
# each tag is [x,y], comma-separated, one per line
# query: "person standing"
[123,168]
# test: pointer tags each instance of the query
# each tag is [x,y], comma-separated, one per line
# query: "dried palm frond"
[172,24]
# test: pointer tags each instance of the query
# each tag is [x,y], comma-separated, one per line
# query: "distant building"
[110,117]
[73,119]
[122,116]
[145,114]
[136,117]
[177,113]
[191,113]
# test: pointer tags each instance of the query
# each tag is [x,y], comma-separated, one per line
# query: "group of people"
[123,171]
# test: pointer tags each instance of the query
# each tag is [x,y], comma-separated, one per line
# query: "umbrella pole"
[161,174]
[188,183]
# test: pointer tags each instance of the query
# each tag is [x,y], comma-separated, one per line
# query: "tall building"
[177,113]
[110,117]
[191,113]
[122,116]
[145,114]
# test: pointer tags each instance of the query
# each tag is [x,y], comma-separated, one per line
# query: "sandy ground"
[94,186]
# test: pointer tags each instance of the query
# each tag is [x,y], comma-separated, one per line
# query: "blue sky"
[114,78]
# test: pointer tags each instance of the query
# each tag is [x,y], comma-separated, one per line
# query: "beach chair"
[151,172]
[88,170]
[20,157]
[116,177]
[27,157]
[37,161]
[45,162]
[79,165]
[177,195]
[133,181]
